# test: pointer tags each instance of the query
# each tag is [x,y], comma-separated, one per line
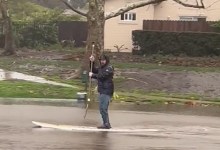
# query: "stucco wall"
[118,32]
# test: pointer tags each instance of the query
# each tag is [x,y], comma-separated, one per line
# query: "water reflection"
[9,75]
[101,142]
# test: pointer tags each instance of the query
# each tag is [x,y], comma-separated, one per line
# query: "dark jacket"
[104,75]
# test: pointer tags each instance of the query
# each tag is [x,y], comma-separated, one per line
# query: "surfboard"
[88,128]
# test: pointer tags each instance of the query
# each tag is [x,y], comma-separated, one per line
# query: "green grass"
[50,69]
[60,48]
[22,64]
[23,89]
[148,66]
[33,66]
[74,82]
[134,95]
[161,97]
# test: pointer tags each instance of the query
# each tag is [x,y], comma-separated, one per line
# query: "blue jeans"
[103,108]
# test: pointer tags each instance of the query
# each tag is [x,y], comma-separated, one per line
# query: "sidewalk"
[39,101]
[8,75]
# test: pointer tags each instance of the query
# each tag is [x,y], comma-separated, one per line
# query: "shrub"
[216,26]
[36,26]
[177,43]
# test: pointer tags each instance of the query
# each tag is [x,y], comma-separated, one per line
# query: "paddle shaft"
[90,84]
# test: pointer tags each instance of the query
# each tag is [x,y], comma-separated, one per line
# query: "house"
[118,30]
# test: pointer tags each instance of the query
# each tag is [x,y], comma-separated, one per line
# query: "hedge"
[176,43]
[33,34]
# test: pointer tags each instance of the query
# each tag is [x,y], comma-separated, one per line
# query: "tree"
[78,3]
[216,26]
[7,28]
[96,17]
[58,4]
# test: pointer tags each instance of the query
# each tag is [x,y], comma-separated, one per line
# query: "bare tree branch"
[131,7]
[217,1]
[73,9]
[197,3]
[148,2]
[191,5]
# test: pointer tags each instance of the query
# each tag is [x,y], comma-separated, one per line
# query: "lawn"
[61,70]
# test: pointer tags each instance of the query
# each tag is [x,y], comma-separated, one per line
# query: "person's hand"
[90,74]
[92,58]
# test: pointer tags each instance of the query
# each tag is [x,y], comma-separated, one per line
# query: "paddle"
[90,83]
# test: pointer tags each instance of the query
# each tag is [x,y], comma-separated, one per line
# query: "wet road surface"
[176,132]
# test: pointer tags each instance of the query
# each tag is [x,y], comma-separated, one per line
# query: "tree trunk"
[7,27]
[96,23]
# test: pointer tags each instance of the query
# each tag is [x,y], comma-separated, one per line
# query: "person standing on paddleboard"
[104,75]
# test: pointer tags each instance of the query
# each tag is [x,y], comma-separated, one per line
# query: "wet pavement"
[176,132]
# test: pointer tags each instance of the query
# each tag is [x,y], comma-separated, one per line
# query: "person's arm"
[108,72]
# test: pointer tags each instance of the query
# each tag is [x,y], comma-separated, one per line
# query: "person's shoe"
[108,126]
[104,127]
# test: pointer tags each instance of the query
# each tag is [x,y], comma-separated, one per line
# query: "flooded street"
[175,132]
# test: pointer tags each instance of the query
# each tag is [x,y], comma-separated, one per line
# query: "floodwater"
[175,132]
[10,75]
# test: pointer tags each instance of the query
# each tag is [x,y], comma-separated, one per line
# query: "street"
[176,132]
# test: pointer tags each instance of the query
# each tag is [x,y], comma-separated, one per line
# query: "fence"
[67,31]
[178,26]
[73,31]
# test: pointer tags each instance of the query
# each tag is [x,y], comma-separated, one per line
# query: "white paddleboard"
[87,128]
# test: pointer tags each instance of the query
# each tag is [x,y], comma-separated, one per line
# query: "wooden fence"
[73,31]
[178,26]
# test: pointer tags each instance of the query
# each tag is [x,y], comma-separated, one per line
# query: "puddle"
[9,75]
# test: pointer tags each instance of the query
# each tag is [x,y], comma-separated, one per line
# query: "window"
[128,16]
[191,18]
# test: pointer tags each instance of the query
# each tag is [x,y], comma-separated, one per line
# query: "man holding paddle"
[104,75]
